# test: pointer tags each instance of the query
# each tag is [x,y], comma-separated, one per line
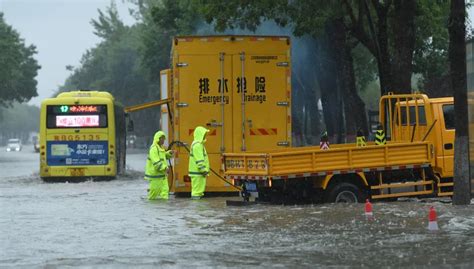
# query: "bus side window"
[448,113]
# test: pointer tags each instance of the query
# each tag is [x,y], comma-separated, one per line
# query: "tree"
[457,60]
[431,48]
[18,121]
[18,68]
[403,44]
[115,65]
[322,20]
[162,20]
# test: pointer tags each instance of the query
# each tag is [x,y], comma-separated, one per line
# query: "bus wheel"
[345,193]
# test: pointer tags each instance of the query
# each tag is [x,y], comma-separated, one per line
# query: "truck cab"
[429,119]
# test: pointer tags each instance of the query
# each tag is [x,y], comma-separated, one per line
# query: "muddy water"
[112,225]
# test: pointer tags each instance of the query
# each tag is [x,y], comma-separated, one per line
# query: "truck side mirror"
[130,126]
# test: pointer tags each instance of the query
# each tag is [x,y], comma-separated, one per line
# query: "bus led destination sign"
[81,109]
[77,121]
[78,109]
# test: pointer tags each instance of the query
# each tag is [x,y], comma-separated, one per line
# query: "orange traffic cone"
[433,223]
[368,209]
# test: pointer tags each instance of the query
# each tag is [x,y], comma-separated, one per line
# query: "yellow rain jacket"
[156,164]
[155,170]
[198,159]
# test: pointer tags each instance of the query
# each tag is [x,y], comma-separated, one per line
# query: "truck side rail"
[312,160]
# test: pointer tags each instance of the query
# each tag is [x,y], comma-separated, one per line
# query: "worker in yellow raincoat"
[156,170]
[198,163]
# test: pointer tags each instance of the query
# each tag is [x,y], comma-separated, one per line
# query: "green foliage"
[365,67]
[307,17]
[241,14]
[20,118]
[108,26]
[162,20]
[371,95]
[115,66]
[18,68]
[128,61]
[431,49]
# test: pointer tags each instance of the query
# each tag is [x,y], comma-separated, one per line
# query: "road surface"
[111,225]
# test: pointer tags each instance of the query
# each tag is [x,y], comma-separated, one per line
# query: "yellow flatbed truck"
[417,160]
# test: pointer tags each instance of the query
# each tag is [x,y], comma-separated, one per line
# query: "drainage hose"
[182,144]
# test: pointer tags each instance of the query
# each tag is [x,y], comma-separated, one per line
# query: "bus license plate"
[77,172]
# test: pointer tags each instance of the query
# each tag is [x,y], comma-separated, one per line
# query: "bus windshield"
[76,116]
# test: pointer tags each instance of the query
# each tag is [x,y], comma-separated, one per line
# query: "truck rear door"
[261,101]
[200,98]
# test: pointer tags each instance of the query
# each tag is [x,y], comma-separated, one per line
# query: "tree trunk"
[384,65]
[354,107]
[312,129]
[377,42]
[308,125]
[457,61]
[337,39]
[404,45]
[330,97]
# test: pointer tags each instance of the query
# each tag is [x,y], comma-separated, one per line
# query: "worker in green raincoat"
[198,163]
[156,170]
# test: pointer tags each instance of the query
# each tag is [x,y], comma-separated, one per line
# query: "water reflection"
[111,224]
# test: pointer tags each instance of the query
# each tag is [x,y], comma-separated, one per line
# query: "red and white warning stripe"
[263,131]
[246,177]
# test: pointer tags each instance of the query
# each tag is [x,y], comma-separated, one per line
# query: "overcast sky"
[61,31]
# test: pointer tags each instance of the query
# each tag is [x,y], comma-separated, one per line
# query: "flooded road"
[112,225]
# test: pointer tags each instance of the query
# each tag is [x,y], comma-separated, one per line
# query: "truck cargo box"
[236,86]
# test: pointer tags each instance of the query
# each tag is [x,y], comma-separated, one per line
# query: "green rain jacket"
[156,163]
[198,159]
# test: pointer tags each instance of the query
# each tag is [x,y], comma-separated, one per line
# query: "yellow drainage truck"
[236,86]
[417,160]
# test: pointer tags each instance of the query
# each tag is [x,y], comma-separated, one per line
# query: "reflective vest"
[198,159]
[361,141]
[156,163]
[380,138]
[324,145]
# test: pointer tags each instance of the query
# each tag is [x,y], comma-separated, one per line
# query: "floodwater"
[112,225]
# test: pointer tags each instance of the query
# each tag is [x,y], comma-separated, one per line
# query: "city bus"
[82,135]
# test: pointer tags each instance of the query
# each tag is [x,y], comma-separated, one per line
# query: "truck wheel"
[345,193]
